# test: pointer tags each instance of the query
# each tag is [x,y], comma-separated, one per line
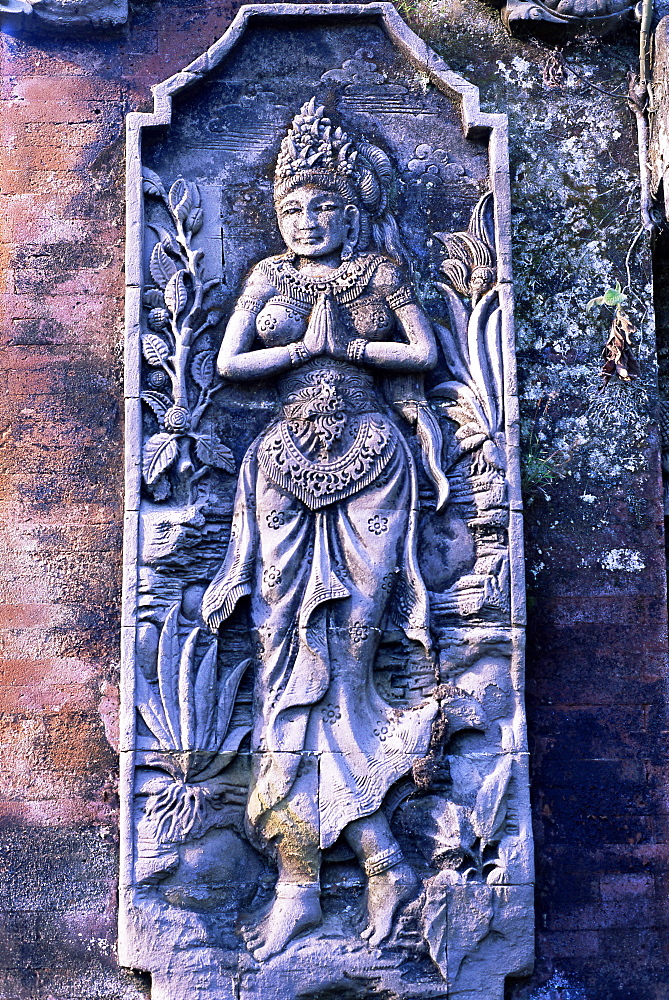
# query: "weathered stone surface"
[597,17]
[597,651]
[338,542]
[63,16]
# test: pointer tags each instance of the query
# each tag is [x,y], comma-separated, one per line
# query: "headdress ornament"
[313,152]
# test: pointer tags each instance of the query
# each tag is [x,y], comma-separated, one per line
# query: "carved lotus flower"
[177,419]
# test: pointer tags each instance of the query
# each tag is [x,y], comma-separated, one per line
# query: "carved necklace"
[346,283]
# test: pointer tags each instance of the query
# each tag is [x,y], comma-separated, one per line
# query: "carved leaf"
[161,266]
[151,710]
[160,451]
[186,692]
[456,918]
[158,402]
[205,700]
[167,239]
[203,368]
[153,298]
[168,672]
[468,430]
[490,811]
[210,451]
[227,754]
[227,700]
[453,830]
[479,358]
[152,184]
[176,294]
[231,745]
[194,221]
[180,198]
[155,350]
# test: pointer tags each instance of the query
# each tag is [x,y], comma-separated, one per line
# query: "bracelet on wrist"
[355,350]
[298,354]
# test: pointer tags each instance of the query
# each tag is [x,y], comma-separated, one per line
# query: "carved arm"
[236,360]
[419,354]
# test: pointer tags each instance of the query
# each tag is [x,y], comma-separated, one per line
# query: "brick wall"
[597,653]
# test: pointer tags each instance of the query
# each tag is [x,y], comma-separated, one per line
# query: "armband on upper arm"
[249,304]
[403,296]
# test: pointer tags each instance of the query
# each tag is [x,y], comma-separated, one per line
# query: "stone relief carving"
[64,15]
[324,768]
[598,16]
[659,116]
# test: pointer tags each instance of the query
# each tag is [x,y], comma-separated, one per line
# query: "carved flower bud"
[177,419]
[482,278]
[159,319]
[158,379]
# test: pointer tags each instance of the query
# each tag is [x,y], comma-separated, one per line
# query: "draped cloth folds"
[322,584]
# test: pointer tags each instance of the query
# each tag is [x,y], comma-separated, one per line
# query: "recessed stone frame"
[144,942]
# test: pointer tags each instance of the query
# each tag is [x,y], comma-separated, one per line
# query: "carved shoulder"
[256,290]
[394,284]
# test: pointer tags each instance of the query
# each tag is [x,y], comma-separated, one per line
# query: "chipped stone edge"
[476,124]
[63,21]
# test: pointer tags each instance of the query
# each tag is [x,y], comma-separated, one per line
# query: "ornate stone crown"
[314,153]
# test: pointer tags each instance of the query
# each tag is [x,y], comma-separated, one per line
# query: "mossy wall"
[596,665]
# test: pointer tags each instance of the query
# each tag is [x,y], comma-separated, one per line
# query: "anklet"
[381,862]
[291,890]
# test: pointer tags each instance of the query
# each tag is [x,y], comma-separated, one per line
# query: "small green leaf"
[612,297]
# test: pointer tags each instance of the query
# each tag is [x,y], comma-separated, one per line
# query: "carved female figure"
[324,527]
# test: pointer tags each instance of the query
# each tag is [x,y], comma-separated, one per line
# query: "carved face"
[314,222]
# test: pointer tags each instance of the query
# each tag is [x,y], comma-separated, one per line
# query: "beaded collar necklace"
[346,283]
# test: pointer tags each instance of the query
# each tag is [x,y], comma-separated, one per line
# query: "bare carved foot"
[385,894]
[295,909]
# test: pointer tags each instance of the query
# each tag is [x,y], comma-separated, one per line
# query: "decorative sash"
[320,481]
